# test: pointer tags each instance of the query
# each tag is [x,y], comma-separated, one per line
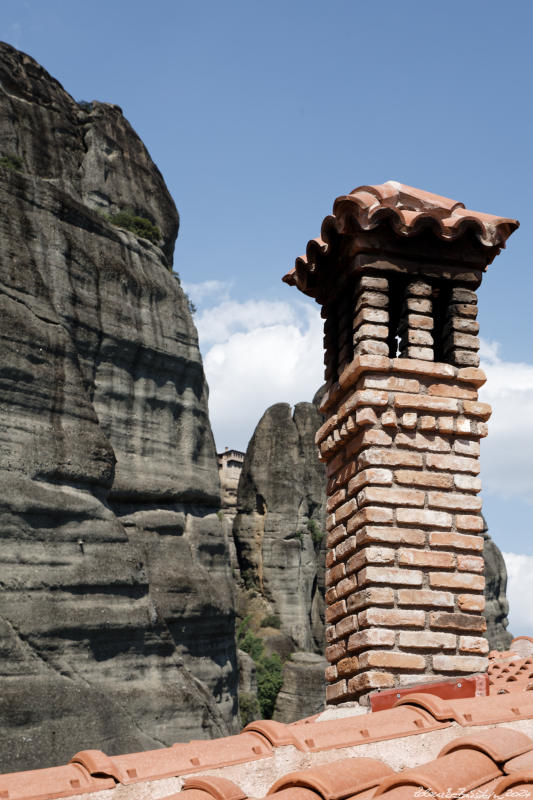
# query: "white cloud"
[507,453]
[199,292]
[519,592]
[261,353]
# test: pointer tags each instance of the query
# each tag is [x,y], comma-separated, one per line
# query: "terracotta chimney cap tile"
[338,780]
[409,210]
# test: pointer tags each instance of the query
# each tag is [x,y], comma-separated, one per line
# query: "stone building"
[229,470]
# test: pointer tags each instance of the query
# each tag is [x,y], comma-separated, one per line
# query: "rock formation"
[108,474]
[497,605]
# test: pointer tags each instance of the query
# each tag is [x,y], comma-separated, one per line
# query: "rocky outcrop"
[108,472]
[497,605]
[303,692]
[279,527]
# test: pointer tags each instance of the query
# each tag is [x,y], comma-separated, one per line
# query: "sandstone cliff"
[109,537]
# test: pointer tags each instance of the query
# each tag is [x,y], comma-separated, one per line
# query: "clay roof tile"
[338,780]
[506,745]
[46,784]
[217,787]
[462,769]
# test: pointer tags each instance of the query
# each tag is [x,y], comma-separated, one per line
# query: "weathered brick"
[330,633]
[467,483]
[330,522]
[465,341]
[472,375]
[419,288]
[371,679]
[427,423]
[391,383]
[463,358]
[330,558]
[463,310]
[482,429]
[390,496]
[370,331]
[370,555]
[463,325]
[419,441]
[471,602]
[346,626]
[470,563]
[454,501]
[434,369]
[336,611]
[346,586]
[331,595]
[457,580]
[393,617]
[370,476]
[371,596]
[335,692]
[452,463]
[425,597]
[367,436]
[417,516]
[419,305]
[477,409]
[419,336]
[336,535]
[426,558]
[363,397]
[331,673]
[443,620]
[445,424]
[372,282]
[391,660]
[391,535]
[469,522]
[409,420]
[366,416]
[389,419]
[427,640]
[372,637]
[368,515]
[467,448]
[346,548]
[335,500]
[336,651]
[425,402]
[460,295]
[372,347]
[375,316]
[390,575]
[473,644]
[420,321]
[347,666]
[412,477]
[372,298]
[459,541]
[463,426]
[346,510]
[377,457]
[335,574]
[460,663]
[452,390]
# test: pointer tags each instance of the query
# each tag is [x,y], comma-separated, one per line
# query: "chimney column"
[401,439]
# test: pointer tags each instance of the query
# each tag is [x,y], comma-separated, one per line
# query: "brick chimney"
[396,271]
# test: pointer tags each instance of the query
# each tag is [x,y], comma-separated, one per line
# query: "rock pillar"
[395,272]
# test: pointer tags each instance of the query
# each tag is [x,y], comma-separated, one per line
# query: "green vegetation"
[249,579]
[269,671]
[140,226]
[12,161]
[316,534]
[249,708]
[271,621]
[220,515]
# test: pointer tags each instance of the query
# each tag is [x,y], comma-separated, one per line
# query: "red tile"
[46,784]
[522,763]
[277,733]
[179,759]
[500,745]
[337,779]
[217,788]
[296,793]
[476,710]
[470,686]
[465,769]
[364,728]
[513,783]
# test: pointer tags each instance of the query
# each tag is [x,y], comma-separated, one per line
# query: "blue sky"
[260,113]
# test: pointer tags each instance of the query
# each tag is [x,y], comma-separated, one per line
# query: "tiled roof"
[425,741]
[511,670]
[408,211]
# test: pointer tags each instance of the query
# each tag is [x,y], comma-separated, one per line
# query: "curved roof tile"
[409,211]
[508,744]
[338,780]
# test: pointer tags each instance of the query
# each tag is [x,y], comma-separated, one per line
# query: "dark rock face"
[304,687]
[282,488]
[497,605]
[108,473]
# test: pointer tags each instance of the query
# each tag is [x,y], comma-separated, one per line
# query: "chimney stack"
[396,271]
